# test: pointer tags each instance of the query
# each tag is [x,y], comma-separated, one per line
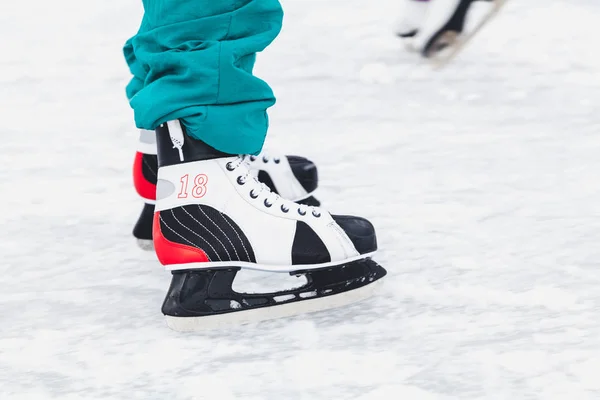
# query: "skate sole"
[440,62]
[197,324]
[264,267]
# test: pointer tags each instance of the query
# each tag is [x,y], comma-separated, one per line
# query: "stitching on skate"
[213,249]
[213,235]
[149,167]
[172,230]
[238,235]
[224,234]
[342,238]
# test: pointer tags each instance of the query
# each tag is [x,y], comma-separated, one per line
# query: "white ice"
[483,181]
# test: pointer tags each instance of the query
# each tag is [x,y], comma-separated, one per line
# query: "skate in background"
[437,29]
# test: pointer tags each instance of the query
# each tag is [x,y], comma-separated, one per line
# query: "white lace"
[177,137]
[258,189]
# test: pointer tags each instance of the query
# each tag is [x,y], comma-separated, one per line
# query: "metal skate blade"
[144,244]
[198,324]
[445,41]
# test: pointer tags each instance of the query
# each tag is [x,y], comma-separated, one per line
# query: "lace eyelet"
[267,204]
[240,181]
[265,160]
[316,214]
[253,195]
[252,158]
[277,160]
[303,213]
[229,167]
[285,209]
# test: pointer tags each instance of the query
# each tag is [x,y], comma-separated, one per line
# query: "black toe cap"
[305,171]
[360,231]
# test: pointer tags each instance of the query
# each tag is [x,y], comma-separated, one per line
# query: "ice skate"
[145,172]
[214,218]
[292,177]
[440,30]
[442,35]
[464,39]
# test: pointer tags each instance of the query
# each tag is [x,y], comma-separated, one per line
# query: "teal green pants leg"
[192,60]
[136,68]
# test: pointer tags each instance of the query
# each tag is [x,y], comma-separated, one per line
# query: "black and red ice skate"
[292,177]
[145,174]
[213,218]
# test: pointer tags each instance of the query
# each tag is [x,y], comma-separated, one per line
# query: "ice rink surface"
[483,181]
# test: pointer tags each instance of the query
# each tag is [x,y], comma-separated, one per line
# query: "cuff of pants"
[233,128]
[199,69]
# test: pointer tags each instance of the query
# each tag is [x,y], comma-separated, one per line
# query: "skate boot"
[145,172]
[292,177]
[444,23]
[442,36]
[214,218]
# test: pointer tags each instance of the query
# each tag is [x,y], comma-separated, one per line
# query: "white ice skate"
[441,36]
[292,177]
[145,173]
[213,218]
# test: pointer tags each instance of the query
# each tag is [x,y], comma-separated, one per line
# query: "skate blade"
[443,59]
[445,41]
[144,244]
[199,324]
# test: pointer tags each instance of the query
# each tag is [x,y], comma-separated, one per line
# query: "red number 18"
[199,189]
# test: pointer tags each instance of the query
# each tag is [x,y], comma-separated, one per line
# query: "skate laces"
[258,189]
[177,138]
